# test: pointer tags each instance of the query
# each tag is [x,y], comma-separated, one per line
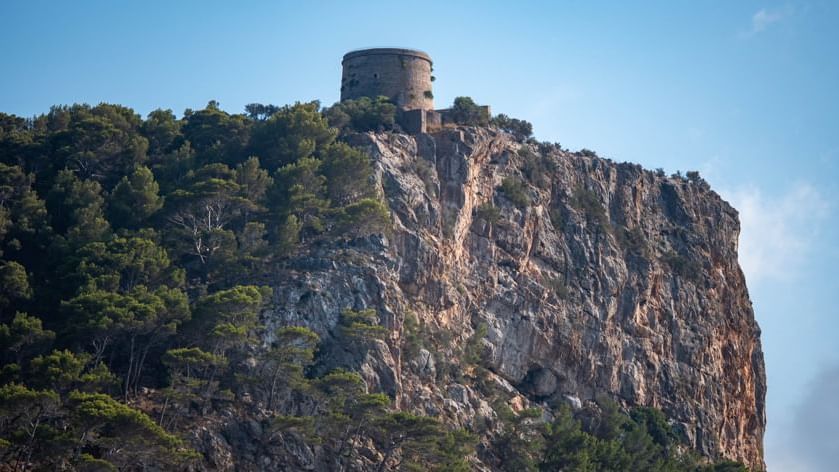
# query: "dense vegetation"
[133,262]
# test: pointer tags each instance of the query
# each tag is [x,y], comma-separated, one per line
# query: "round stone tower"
[403,75]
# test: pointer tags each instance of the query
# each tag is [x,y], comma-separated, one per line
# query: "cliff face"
[601,279]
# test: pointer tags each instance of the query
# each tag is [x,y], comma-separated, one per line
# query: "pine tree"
[134,199]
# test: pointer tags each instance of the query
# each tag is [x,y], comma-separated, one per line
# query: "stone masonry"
[401,75]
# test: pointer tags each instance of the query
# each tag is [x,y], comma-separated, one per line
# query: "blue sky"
[746,92]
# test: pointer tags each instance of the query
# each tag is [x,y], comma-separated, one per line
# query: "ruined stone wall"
[403,75]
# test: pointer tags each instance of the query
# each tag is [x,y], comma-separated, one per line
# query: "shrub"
[360,327]
[546,148]
[466,112]
[521,129]
[587,153]
[363,114]
[535,167]
[588,202]
[694,178]
[515,191]
[364,217]
[412,341]
[425,171]
[560,289]
[472,350]
[632,240]
[489,213]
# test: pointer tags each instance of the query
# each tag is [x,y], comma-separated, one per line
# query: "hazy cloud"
[810,441]
[763,19]
[777,232]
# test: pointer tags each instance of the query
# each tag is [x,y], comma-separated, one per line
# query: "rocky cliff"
[587,277]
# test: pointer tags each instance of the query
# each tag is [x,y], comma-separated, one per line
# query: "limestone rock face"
[605,279]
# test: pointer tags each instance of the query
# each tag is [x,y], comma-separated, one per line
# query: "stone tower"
[402,75]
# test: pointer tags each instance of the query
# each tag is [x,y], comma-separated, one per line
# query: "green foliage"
[100,143]
[694,178]
[632,240]
[88,463]
[451,451]
[615,441]
[587,153]
[363,217]
[416,437]
[253,182]
[260,112]
[411,339]
[347,172]
[171,169]
[201,217]
[536,167]
[76,208]
[215,135]
[291,134]
[226,319]
[559,287]
[300,191]
[22,412]
[362,114]
[724,466]
[427,173]
[348,414]
[361,325]
[163,131]
[163,310]
[134,199]
[291,353]
[489,213]
[192,378]
[521,129]
[64,371]
[123,263]
[23,337]
[288,234]
[129,435]
[466,112]
[23,216]
[655,423]
[473,349]
[515,191]
[568,446]
[519,445]
[127,323]
[589,204]
[14,284]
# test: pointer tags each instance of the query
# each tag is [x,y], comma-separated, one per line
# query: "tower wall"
[403,75]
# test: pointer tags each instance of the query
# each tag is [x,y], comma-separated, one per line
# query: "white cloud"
[777,232]
[763,19]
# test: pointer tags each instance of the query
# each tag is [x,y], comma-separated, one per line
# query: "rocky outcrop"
[589,277]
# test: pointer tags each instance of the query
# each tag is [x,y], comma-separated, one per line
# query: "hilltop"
[298,288]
